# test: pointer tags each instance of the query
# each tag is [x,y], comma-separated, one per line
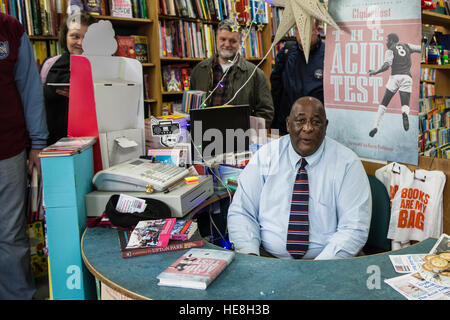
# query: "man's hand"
[372,72]
[34,161]
[63,91]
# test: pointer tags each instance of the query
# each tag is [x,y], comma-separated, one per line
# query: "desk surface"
[247,277]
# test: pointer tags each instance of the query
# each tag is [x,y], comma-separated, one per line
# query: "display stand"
[66,180]
[106,100]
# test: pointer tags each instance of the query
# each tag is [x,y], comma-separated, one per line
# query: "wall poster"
[371,78]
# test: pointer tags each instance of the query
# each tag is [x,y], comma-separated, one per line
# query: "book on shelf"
[125,47]
[196,268]
[195,241]
[120,8]
[141,48]
[95,7]
[151,233]
[192,99]
[184,229]
[68,146]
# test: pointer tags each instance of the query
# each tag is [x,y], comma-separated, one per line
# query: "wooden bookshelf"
[442,80]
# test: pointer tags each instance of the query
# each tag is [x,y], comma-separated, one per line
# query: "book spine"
[170,247]
[179,236]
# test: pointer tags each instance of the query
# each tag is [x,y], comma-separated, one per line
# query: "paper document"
[407,263]
[129,204]
[413,288]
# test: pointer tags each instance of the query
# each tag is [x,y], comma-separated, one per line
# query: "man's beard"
[227,54]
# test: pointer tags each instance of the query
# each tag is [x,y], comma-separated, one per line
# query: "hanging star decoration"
[301,13]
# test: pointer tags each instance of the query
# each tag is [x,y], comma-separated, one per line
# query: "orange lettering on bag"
[404,194]
[402,218]
[412,215]
[420,220]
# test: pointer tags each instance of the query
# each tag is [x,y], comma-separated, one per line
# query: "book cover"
[171,79]
[359,96]
[141,48]
[93,6]
[183,229]
[151,233]
[125,47]
[121,8]
[124,235]
[196,268]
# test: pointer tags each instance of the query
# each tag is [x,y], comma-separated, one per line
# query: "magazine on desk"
[195,241]
[196,268]
[429,280]
[151,233]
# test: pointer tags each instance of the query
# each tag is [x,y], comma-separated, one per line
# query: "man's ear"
[288,125]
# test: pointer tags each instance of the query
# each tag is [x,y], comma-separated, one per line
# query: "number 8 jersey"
[399,58]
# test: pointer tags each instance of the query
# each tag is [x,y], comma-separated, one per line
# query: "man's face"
[389,43]
[314,34]
[307,125]
[227,44]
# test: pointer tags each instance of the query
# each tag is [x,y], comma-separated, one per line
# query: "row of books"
[253,45]
[176,77]
[439,103]
[43,49]
[427,74]
[135,47]
[39,18]
[434,119]
[197,40]
[115,8]
[435,143]
[427,89]
[192,99]
[186,39]
[216,10]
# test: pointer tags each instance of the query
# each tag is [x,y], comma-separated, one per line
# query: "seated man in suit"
[318,210]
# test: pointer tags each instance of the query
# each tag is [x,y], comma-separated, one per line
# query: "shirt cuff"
[38,144]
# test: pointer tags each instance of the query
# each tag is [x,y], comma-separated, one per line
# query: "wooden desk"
[247,277]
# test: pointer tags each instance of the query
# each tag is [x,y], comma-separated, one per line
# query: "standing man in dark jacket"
[207,74]
[22,123]
[293,78]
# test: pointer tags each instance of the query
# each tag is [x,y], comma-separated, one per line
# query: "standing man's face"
[314,34]
[227,45]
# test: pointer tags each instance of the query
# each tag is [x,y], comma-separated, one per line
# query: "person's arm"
[243,225]
[415,48]
[28,83]
[389,57]
[354,208]
[264,104]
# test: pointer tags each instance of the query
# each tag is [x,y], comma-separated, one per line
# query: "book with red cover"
[151,233]
[183,229]
[196,268]
[124,235]
[125,47]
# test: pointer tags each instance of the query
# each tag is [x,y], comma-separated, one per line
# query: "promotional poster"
[372,77]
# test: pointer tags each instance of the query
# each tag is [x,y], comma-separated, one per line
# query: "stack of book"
[192,99]
[68,146]
[162,235]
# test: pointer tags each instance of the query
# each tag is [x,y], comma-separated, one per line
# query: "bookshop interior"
[176,145]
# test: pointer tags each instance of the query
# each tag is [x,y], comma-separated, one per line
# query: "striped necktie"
[298,229]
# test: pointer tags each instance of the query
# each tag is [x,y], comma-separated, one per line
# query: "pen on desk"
[174,186]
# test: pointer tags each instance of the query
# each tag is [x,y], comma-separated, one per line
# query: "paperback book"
[151,233]
[68,146]
[124,235]
[196,268]
[183,229]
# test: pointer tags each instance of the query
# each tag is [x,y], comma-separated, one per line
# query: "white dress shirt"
[340,202]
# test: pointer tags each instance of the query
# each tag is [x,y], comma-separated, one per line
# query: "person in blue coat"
[293,78]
